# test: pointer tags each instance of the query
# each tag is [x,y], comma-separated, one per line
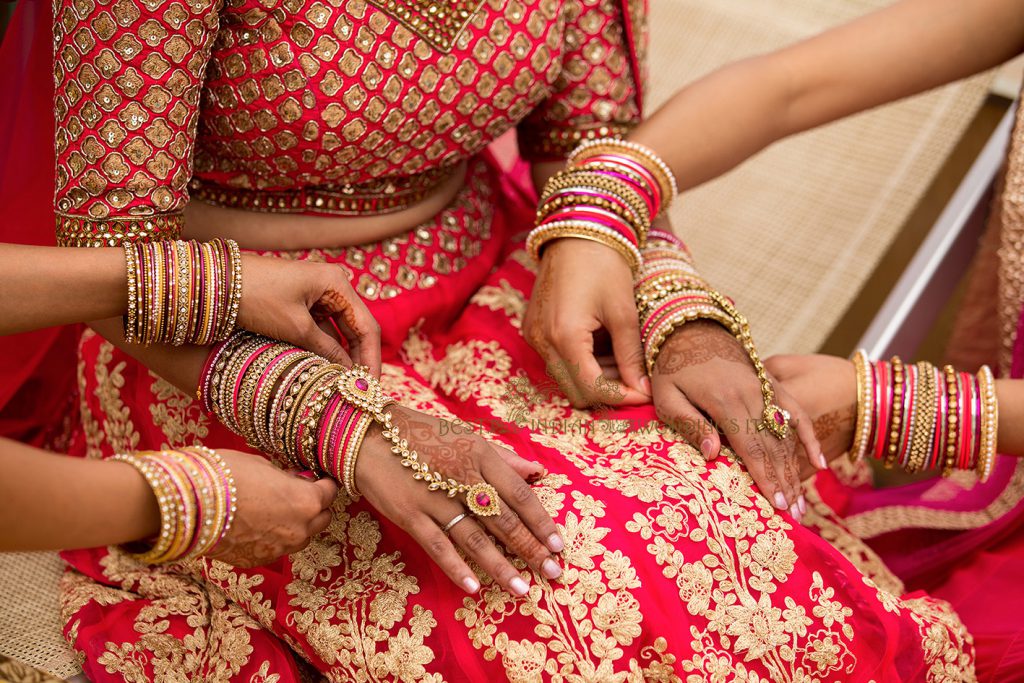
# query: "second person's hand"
[278,512]
[297,301]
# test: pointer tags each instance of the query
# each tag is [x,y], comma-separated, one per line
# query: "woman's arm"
[53,501]
[721,120]
[43,286]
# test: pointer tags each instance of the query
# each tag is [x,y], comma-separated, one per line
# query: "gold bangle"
[548,232]
[989,422]
[924,417]
[865,406]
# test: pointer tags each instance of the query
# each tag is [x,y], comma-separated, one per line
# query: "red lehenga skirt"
[673,569]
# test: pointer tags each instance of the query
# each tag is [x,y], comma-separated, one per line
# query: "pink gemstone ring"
[776,420]
[482,500]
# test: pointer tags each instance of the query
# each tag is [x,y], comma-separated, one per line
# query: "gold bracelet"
[362,390]
[865,406]
[989,422]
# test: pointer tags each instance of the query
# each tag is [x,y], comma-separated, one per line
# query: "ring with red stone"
[482,500]
[776,420]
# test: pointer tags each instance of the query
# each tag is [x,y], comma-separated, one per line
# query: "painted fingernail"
[822,462]
[550,569]
[645,384]
[794,510]
[802,504]
[519,586]
[706,447]
[780,500]
[555,543]
[470,584]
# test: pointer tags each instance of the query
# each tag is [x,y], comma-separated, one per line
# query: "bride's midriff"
[292,231]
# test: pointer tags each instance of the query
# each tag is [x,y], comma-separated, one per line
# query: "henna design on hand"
[698,343]
[332,303]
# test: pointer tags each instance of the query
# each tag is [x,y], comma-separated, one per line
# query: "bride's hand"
[582,288]
[523,526]
[278,512]
[827,387]
[295,301]
[702,370]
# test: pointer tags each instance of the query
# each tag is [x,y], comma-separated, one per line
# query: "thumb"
[328,490]
[530,470]
[629,352]
[675,410]
[322,344]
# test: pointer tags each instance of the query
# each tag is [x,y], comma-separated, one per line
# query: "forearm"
[1010,393]
[51,501]
[44,286]
[722,119]
[179,365]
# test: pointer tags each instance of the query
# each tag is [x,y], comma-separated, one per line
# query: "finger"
[784,460]
[756,457]
[471,537]
[319,523]
[675,410]
[624,326]
[440,549]
[360,328]
[585,372]
[802,424]
[328,491]
[530,525]
[323,344]
[530,470]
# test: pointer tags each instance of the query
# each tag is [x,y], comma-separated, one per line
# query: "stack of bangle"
[921,418]
[196,495]
[670,293]
[182,292]
[312,413]
[609,192]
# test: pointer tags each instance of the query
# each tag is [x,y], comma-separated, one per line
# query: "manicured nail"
[550,569]
[518,586]
[645,385]
[707,446]
[822,462]
[802,504]
[794,510]
[780,500]
[470,584]
[555,543]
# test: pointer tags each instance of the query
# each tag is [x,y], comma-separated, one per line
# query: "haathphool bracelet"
[610,192]
[313,414]
[196,495]
[924,418]
[182,292]
[670,293]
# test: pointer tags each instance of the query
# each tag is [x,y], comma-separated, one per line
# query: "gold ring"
[455,520]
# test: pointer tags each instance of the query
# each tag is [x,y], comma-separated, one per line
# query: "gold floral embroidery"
[118,428]
[744,550]
[182,420]
[504,298]
[216,648]
[349,617]
[582,621]
[90,426]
